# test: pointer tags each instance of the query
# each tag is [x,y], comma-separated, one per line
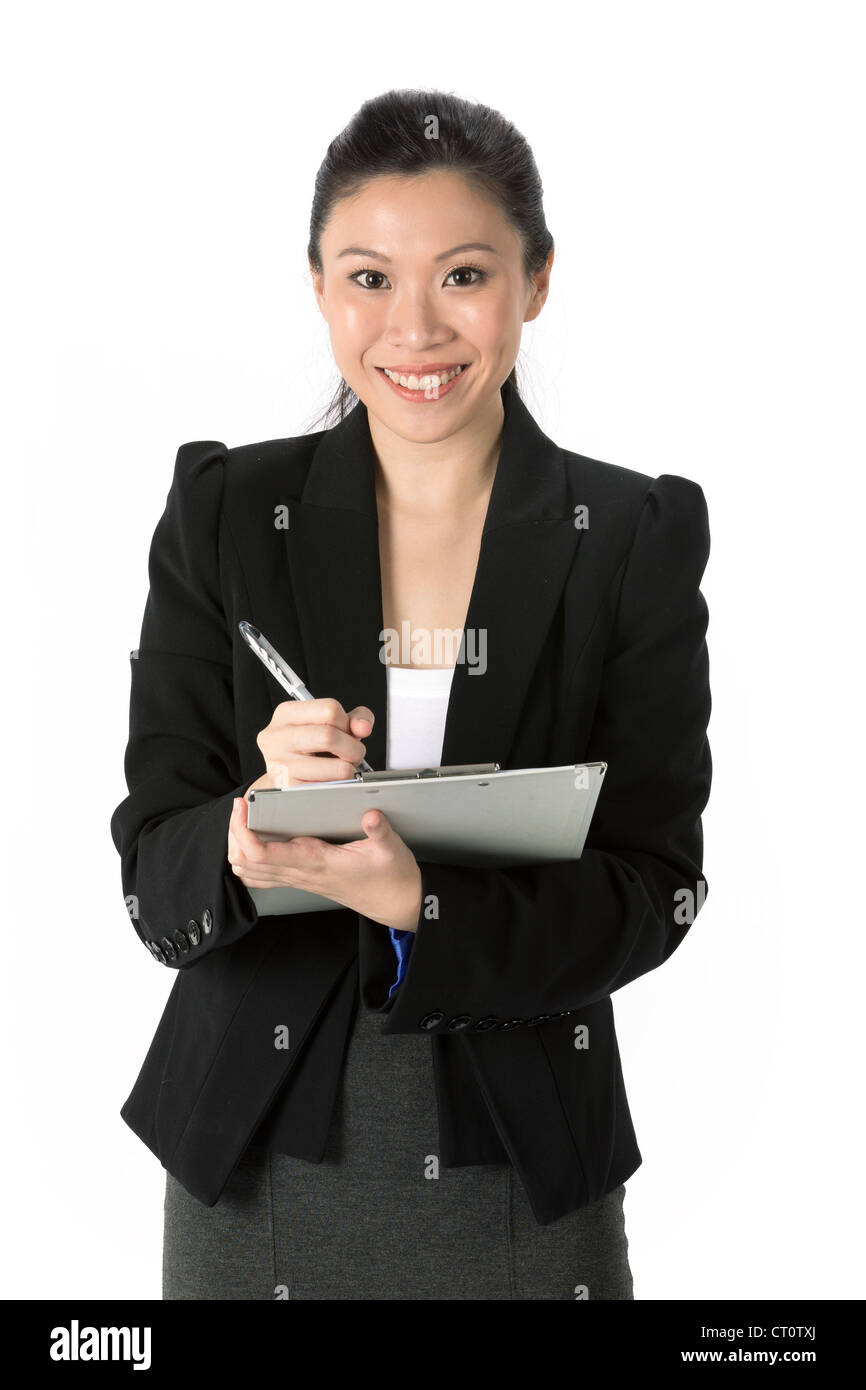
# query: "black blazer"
[595,650]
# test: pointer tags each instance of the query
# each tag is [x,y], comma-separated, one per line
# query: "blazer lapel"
[528,545]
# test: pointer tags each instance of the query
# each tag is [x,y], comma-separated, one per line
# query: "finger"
[271,872]
[324,711]
[247,842]
[300,770]
[270,875]
[375,825]
[306,857]
[253,880]
[327,740]
[312,740]
[319,726]
[358,718]
[301,853]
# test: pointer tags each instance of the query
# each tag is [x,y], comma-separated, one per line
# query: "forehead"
[424,213]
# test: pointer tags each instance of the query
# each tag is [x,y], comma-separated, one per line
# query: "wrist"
[408,920]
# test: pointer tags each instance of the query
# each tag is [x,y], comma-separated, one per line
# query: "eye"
[368,271]
[473,270]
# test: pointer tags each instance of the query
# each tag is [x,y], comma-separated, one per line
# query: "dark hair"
[387,136]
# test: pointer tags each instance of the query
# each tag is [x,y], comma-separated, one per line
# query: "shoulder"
[625,499]
[274,465]
[201,463]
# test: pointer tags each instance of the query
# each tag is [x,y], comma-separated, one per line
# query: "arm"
[181,759]
[530,942]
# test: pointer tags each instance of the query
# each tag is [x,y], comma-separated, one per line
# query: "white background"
[702,167]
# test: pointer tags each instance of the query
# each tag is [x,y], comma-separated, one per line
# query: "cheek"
[490,325]
[353,322]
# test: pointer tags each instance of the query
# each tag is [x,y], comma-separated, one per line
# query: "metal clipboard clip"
[393,774]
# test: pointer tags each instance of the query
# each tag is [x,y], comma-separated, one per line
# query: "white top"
[417,706]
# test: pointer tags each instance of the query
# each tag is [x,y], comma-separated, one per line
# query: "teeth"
[423,383]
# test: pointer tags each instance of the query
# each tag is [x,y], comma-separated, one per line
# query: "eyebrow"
[377,255]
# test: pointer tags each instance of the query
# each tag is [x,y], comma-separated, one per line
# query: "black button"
[181,941]
[484,1024]
[534,1022]
[461,1021]
[159,954]
[207,922]
[510,1023]
[193,931]
[431,1020]
[169,947]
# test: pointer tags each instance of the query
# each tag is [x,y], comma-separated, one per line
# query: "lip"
[423,396]
[420,368]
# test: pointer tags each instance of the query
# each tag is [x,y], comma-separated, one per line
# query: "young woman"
[417,1095]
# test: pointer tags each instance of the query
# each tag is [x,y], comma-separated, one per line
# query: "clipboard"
[469,814]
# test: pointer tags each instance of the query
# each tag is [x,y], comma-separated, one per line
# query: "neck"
[445,479]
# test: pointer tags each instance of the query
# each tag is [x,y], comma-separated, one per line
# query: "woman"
[417,1095]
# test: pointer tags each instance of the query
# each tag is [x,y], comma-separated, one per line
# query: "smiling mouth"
[424,381]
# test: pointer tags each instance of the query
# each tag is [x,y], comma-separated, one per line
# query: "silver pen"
[281,670]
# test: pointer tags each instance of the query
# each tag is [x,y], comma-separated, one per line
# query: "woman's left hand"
[377,876]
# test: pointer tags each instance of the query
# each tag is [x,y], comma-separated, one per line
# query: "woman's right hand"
[312,741]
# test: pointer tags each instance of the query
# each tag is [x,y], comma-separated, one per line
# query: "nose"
[415,320]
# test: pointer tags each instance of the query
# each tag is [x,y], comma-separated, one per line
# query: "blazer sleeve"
[531,942]
[181,761]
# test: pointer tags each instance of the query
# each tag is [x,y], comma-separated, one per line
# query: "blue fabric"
[402,942]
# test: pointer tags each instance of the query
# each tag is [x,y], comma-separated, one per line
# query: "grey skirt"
[378,1218]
